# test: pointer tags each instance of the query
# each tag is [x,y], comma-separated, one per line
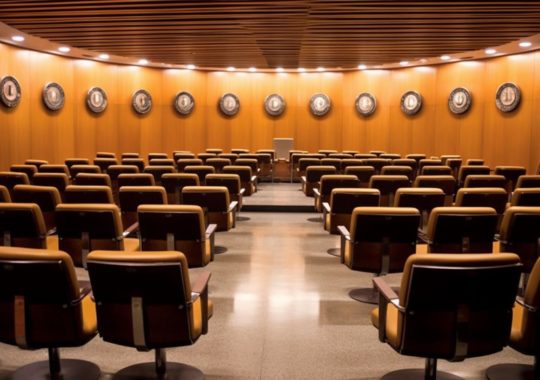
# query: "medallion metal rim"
[226,111]
[10,103]
[136,107]
[270,111]
[60,103]
[180,109]
[104,101]
[373,102]
[459,110]
[416,109]
[510,107]
[327,107]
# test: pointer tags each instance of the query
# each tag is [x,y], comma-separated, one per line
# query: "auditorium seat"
[526,197]
[247,179]
[44,306]
[390,156]
[313,176]
[424,199]
[474,162]
[104,163]
[4,194]
[436,170]
[251,162]
[461,229]
[218,163]
[201,171]
[58,180]
[215,202]
[165,310]
[239,150]
[466,170]
[377,163]
[494,197]
[175,182]
[445,157]
[29,170]
[106,155]
[388,185]
[177,155]
[398,170]
[364,156]
[93,179]
[10,179]
[231,182]
[229,156]
[161,162]
[158,155]
[326,152]
[131,197]
[343,201]
[339,156]
[329,182]
[177,228]
[485,180]
[416,156]
[511,174]
[49,168]
[204,156]
[114,171]
[428,162]
[88,194]
[266,166]
[454,164]
[83,227]
[379,240]
[346,162]
[215,151]
[46,197]
[75,161]
[331,161]
[158,171]
[36,163]
[183,162]
[407,162]
[76,169]
[449,306]
[446,183]
[138,162]
[129,155]
[136,179]
[304,163]
[377,152]
[363,173]
[23,225]
[531,180]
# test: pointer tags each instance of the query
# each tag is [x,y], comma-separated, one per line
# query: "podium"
[282,145]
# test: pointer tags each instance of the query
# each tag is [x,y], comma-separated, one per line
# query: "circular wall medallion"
[53,96]
[96,100]
[365,104]
[319,104]
[459,100]
[141,101]
[10,91]
[229,104]
[411,102]
[184,103]
[274,105]
[508,97]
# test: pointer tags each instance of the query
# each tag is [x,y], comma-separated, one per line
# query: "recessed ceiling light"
[252,69]
[104,56]
[18,38]
[362,67]
[404,63]
[143,61]
[301,70]
[490,51]
[525,44]
[231,68]
[445,57]
[279,69]
[64,49]
[423,60]
[320,69]
[191,67]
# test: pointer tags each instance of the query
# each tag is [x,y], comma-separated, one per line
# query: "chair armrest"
[85,289]
[210,230]
[200,289]
[521,301]
[303,179]
[232,206]
[130,229]
[326,207]
[345,237]
[52,231]
[253,178]
[316,192]
[344,232]
[386,295]
[242,191]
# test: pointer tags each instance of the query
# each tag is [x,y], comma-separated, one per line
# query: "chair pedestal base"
[334,252]
[71,370]
[317,219]
[365,295]
[175,371]
[218,249]
[510,371]
[418,374]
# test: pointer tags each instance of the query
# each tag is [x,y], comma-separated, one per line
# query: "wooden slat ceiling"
[268,34]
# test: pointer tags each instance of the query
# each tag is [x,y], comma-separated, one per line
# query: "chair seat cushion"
[392,329]
[131,244]
[520,341]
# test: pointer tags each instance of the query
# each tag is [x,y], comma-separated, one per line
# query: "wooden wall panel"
[32,131]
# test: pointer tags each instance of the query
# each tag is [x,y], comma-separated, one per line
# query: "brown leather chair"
[271,152]
[526,197]
[511,175]
[44,306]
[364,156]
[76,169]
[449,306]
[105,155]
[377,163]
[214,150]
[183,162]
[454,164]
[363,173]
[83,227]
[251,162]
[10,179]
[398,170]
[177,155]
[475,162]
[104,163]
[424,199]
[331,161]
[218,163]
[114,172]
[138,162]
[75,161]
[446,183]
[22,225]
[46,197]
[266,165]
[327,152]
[158,171]
[157,155]
[229,156]
[129,155]
[346,162]
[29,170]
[161,162]
[57,180]
[175,182]
[339,156]
[466,170]
[306,162]
[524,336]
[215,202]
[4,194]
[485,180]
[495,197]
[377,152]
[204,156]
[350,151]
[239,150]
[313,176]
[93,179]
[406,162]
[343,201]
[136,179]
[379,240]
[416,156]
[36,163]
[436,170]
[145,300]
[201,171]
[525,181]
[329,182]
[461,229]
[445,157]
[131,197]
[247,179]
[88,194]
[177,228]
[48,168]
[388,185]
[390,156]
[231,182]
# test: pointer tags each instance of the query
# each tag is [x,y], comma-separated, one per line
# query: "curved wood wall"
[30,131]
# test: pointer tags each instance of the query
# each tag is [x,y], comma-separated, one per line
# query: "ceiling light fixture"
[64,49]
[231,68]
[301,70]
[252,69]
[18,38]
[191,67]
[279,69]
[404,63]
[320,69]
[445,57]
[143,61]
[525,44]
[490,51]
[103,56]
[362,67]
